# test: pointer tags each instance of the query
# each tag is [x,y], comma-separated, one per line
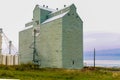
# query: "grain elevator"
[8,54]
[54,38]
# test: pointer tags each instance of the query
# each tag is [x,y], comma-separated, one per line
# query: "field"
[28,72]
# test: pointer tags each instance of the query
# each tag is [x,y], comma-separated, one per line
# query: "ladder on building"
[36,59]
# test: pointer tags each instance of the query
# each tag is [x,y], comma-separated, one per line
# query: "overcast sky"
[100,17]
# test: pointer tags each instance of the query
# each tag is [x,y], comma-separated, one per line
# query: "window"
[46,17]
[77,16]
[37,22]
[68,14]
[73,62]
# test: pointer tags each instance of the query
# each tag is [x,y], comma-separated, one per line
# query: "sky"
[101,19]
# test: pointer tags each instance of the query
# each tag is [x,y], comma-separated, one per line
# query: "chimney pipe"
[64,5]
[46,6]
[43,5]
[56,8]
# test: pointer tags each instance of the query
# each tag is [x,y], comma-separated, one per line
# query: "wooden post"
[94,57]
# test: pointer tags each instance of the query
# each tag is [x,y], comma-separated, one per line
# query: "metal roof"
[55,17]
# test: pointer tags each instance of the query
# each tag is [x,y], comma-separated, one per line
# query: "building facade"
[59,38]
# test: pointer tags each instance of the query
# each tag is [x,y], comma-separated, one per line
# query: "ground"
[28,72]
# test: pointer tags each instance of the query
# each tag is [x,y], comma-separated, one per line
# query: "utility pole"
[94,57]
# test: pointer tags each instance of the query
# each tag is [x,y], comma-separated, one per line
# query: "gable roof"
[56,14]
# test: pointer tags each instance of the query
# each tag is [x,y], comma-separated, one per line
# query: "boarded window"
[73,62]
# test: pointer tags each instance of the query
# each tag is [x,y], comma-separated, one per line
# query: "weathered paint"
[25,42]
[60,43]
[72,41]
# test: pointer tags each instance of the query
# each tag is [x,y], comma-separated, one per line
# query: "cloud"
[101,40]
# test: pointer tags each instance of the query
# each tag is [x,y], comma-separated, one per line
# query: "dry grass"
[29,72]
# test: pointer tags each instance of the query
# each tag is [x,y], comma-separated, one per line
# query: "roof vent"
[43,5]
[37,5]
[46,6]
[56,8]
[64,5]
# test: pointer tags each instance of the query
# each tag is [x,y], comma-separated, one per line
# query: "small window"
[68,14]
[46,17]
[73,62]
[37,22]
[56,50]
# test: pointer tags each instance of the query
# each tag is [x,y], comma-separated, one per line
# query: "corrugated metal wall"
[9,59]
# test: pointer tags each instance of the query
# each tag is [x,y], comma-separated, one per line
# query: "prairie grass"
[29,72]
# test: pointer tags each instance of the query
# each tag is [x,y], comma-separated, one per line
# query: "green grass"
[28,72]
